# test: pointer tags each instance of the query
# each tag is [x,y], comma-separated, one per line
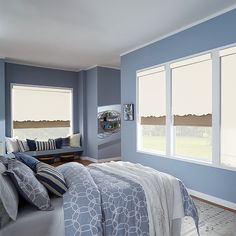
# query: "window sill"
[186,159]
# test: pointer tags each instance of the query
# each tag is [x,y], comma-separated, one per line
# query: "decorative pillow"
[65,142]
[51,178]
[32,145]
[28,186]
[8,197]
[75,140]
[45,145]
[28,160]
[23,145]
[58,142]
[12,145]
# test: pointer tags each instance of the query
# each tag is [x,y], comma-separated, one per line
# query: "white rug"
[214,221]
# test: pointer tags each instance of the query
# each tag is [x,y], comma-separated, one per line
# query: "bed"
[115,198]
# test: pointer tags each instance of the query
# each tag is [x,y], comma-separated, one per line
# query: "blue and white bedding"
[121,198]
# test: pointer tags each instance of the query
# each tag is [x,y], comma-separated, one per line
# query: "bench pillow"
[32,145]
[51,178]
[75,140]
[12,145]
[28,186]
[23,145]
[65,142]
[45,145]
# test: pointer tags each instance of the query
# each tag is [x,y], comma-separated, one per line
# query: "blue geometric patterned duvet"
[100,203]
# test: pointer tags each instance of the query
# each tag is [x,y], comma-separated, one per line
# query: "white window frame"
[216,112]
[42,86]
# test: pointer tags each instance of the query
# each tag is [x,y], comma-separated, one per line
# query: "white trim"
[100,160]
[25,63]
[169,127]
[179,30]
[94,66]
[213,199]
[216,107]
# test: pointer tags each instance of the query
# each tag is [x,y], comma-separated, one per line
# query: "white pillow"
[75,140]
[12,145]
[23,145]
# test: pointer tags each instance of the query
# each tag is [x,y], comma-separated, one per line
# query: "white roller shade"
[192,91]
[41,104]
[152,97]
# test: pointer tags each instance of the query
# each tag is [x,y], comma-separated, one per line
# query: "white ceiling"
[77,34]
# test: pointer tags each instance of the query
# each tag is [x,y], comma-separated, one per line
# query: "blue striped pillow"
[51,178]
[45,145]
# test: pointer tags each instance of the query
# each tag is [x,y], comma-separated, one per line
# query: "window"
[228,111]
[41,112]
[152,110]
[192,107]
[186,108]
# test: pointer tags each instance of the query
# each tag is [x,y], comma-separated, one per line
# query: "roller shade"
[41,107]
[152,96]
[192,91]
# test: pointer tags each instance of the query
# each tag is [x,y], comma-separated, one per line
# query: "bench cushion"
[54,152]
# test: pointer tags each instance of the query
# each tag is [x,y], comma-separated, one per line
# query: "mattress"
[31,221]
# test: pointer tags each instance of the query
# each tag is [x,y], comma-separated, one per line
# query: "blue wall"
[91,113]
[22,74]
[82,108]
[85,95]
[208,35]
[102,86]
[108,86]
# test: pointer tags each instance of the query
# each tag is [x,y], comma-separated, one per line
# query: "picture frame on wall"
[128,112]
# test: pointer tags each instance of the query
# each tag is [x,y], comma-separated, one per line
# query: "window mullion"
[216,103]
[169,129]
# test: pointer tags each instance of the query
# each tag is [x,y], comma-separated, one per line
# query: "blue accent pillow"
[58,142]
[28,186]
[28,160]
[31,144]
[65,142]
[51,178]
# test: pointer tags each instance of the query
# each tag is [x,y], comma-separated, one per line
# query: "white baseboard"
[100,160]
[213,199]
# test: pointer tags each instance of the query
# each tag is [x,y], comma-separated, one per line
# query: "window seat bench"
[55,152]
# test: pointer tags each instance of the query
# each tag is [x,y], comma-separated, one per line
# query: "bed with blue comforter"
[121,198]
